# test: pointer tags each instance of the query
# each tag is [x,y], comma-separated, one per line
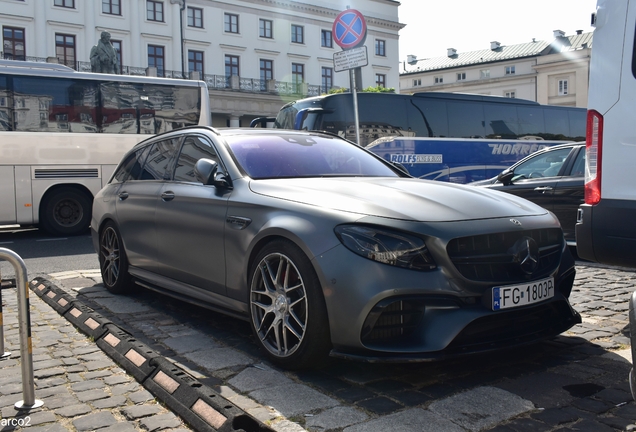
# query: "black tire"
[113,262]
[66,212]
[287,308]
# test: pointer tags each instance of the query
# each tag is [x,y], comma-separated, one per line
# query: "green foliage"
[377,89]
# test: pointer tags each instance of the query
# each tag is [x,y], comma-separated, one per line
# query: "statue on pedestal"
[104,56]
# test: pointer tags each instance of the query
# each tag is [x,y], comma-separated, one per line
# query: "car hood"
[398,198]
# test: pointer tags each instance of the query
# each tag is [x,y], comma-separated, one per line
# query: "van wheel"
[287,307]
[66,212]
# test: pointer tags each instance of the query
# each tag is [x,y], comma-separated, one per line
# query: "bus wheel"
[66,212]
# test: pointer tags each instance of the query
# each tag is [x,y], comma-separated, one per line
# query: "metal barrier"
[24,323]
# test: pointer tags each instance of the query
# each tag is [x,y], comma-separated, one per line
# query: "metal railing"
[24,324]
[214,82]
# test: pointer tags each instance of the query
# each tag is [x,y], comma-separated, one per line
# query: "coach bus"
[468,129]
[63,132]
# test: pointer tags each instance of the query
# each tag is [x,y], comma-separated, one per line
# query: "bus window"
[466,119]
[501,121]
[577,126]
[54,105]
[557,124]
[531,123]
[432,120]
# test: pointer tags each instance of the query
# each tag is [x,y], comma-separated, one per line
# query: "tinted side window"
[194,148]
[130,168]
[466,119]
[157,166]
[531,121]
[434,118]
[54,105]
[501,121]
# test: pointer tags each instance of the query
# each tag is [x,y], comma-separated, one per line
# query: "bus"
[605,229]
[62,133]
[449,125]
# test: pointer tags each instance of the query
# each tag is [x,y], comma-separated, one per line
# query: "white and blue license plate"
[523,294]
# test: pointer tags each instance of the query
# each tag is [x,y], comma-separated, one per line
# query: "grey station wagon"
[326,248]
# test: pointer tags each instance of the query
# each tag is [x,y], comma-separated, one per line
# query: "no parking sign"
[349,29]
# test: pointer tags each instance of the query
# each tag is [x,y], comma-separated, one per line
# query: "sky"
[432,26]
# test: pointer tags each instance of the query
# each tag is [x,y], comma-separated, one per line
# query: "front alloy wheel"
[287,307]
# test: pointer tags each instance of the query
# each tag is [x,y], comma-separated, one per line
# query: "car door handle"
[544,189]
[123,196]
[167,196]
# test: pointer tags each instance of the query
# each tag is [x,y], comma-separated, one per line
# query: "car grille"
[487,258]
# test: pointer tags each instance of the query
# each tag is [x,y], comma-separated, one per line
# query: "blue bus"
[460,130]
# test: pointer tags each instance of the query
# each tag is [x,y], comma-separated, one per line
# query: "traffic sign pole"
[350,31]
[354,92]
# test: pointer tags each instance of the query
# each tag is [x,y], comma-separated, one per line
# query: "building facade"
[255,55]
[554,73]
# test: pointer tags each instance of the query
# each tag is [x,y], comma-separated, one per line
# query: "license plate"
[523,294]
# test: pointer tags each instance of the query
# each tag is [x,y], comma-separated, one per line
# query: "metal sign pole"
[354,93]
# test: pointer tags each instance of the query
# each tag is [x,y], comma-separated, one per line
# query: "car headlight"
[386,246]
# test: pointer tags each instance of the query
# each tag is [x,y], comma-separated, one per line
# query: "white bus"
[63,132]
[606,223]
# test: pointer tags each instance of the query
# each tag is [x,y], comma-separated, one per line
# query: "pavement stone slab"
[293,399]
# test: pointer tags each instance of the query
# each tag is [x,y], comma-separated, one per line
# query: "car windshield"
[287,156]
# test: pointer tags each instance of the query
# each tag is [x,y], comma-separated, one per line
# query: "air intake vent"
[67,173]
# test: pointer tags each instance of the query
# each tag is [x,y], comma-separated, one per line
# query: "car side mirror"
[505,177]
[207,172]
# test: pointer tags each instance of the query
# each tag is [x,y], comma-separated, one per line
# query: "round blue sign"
[349,29]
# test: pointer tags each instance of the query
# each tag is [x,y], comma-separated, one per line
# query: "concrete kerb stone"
[200,406]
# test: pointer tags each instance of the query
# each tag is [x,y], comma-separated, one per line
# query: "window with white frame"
[154,10]
[510,70]
[111,7]
[563,87]
[439,79]
[484,74]
[461,76]
[417,82]
[510,94]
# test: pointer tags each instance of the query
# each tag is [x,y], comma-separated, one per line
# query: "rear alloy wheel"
[112,261]
[288,312]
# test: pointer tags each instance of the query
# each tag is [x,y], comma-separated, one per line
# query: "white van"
[606,223]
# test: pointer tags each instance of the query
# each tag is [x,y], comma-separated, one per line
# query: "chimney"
[494,45]
[451,52]
[411,59]
[578,32]
[558,33]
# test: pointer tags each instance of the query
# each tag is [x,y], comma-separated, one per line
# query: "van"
[606,222]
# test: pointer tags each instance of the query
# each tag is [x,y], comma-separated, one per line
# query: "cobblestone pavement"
[82,389]
[575,382]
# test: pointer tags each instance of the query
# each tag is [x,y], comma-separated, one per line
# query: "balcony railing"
[215,82]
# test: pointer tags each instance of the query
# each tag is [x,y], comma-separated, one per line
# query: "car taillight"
[593,149]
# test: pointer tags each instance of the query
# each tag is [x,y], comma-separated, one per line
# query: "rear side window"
[162,153]
[194,148]
[130,168]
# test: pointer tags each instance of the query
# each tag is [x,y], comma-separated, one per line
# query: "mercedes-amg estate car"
[326,248]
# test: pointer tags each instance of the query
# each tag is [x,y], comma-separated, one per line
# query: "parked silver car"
[325,248]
